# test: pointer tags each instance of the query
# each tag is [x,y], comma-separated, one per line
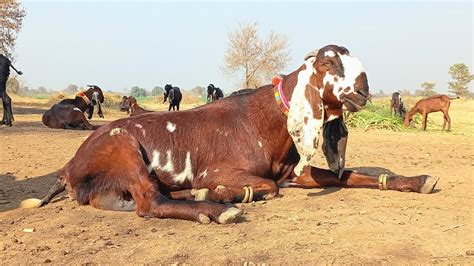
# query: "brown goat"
[130,105]
[186,164]
[437,103]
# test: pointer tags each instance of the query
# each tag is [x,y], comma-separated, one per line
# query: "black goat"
[174,96]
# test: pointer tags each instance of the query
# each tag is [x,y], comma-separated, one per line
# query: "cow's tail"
[58,187]
[454,98]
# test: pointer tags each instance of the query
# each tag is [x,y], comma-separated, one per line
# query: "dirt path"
[301,226]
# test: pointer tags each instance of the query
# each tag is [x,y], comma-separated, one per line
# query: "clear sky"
[120,44]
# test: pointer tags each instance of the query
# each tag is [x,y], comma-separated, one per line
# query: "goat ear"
[305,119]
[335,135]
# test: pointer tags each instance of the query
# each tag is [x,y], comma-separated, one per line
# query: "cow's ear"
[335,136]
[305,117]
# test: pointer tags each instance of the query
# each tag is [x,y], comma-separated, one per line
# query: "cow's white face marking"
[260,144]
[303,127]
[187,173]
[329,53]
[95,96]
[170,126]
[77,109]
[344,85]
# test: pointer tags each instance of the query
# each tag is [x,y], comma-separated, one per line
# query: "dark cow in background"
[5,65]
[173,95]
[397,105]
[242,91]
[130,105]
[437,103]
[172,165]
[69,113]
[214,93]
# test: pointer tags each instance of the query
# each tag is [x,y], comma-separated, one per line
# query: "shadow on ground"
[12,191]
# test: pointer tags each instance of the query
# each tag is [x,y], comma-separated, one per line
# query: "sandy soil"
[301,226]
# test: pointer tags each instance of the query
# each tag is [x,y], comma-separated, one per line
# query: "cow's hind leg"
[122,175]
[320,178]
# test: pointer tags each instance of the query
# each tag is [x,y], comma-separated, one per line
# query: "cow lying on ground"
[190,164]
[130,105]
[69,113]
[5,65]
[437,103]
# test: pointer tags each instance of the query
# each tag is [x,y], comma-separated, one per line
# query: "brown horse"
[69,113]
[437,103]
[186,164]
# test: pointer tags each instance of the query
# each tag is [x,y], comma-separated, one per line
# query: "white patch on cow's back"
[117,131]
[187,173]
[170,126]
[216,170]
[329,53]
[168,167]
[260,144]
[304,135]
[140,126]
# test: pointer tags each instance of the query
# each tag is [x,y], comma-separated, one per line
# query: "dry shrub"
[57,97]
[112,100]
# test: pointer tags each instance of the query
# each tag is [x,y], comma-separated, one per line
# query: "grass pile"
[375,116]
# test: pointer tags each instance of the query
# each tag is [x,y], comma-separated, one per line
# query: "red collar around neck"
[280,98]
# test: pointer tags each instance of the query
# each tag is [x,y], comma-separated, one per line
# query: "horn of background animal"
[311,54]
[335,135]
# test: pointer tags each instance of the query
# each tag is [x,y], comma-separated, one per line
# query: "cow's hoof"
[200,194]
[204,219]
[429,184]
[229,215]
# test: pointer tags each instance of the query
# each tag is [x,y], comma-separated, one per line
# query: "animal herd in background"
[69,113]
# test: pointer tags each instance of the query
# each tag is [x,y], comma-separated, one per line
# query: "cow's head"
[330,79]
[95,94]
[166,93]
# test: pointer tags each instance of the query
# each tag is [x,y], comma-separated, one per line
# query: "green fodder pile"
[375,116]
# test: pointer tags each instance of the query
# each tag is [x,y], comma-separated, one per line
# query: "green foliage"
[375,116]
[138,92]
[157,91]
[462,77]
[428,89]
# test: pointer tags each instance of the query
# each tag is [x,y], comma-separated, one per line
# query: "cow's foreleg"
[321,178]
[232,188]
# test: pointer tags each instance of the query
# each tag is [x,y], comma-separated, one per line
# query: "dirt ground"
[326,226]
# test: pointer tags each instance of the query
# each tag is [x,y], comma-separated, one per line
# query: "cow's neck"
[272,122]
[80,103]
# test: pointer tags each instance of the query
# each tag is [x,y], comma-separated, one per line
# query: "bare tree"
[256,58]
[11,22]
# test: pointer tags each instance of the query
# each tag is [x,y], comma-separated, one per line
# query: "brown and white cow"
[186,164]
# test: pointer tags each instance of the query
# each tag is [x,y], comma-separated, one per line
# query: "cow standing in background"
[173,95]
[5,65]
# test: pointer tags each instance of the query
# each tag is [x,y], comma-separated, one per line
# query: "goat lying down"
[190,164]
[130,105]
